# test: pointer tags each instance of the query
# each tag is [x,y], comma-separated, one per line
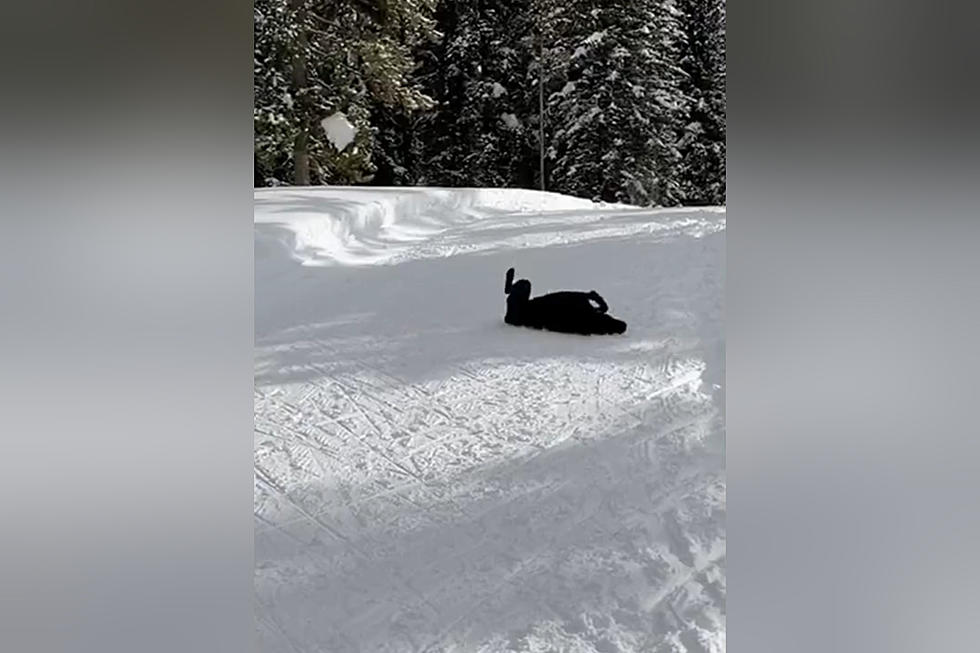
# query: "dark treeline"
[452,93]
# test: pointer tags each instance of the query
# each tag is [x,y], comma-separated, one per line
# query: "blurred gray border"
[853,225]
[126,294]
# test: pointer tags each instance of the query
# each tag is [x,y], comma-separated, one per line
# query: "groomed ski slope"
[428,478]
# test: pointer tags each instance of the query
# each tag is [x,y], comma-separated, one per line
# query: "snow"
[339,130]
[584,119]
[497,89]
[428,478]
[596,37]
[510,120]
[592,39]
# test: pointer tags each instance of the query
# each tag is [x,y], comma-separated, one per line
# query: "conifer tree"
[621,103]
[317,57]
[449,93]
[703,145]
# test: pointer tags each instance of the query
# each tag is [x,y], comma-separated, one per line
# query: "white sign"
[339,130]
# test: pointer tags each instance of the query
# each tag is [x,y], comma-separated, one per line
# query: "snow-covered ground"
[428,478]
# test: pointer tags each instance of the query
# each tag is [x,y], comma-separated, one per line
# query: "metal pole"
[541,96]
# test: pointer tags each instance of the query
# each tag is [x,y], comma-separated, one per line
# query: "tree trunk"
[301,161]
[541,97]
[301,156]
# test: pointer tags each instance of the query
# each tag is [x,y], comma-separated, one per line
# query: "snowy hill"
[428,478]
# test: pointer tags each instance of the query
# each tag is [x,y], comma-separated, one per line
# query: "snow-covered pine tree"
[450,133]
[635,94]
[703,145]
[510,98]
[478,133]
[616,118]
[555,30]
[314,58]
[274,107]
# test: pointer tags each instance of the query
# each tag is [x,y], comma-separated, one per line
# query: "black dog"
[566,311]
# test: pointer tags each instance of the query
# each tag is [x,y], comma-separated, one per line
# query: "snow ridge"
[330,226]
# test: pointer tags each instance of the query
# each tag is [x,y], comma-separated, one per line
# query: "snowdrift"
[357,226]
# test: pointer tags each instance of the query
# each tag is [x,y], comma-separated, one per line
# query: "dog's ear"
[509,282]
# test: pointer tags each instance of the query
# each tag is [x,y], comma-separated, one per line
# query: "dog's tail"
[509,281]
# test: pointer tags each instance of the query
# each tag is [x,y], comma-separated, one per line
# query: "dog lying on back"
[584,313]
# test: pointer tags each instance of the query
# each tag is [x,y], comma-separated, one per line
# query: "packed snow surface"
[428,478]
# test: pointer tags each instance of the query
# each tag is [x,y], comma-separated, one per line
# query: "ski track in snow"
[428,479]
